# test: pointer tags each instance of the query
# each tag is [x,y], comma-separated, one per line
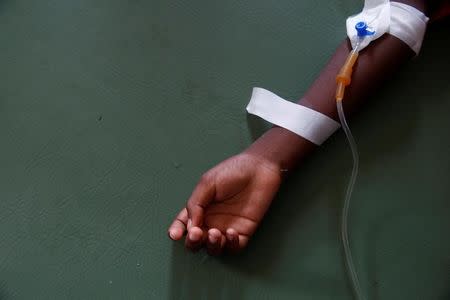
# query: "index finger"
[178,226]
[203,193]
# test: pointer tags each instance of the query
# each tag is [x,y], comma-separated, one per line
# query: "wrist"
[281,147]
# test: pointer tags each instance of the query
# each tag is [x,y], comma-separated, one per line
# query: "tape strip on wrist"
[398,19]
[305,122]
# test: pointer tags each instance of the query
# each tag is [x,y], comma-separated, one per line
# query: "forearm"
[375,64]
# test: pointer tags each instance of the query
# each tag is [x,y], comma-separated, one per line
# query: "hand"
[228,204]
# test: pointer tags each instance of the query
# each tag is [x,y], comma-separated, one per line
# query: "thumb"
[202,195]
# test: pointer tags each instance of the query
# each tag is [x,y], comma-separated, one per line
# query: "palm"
[230,200]
[244,190]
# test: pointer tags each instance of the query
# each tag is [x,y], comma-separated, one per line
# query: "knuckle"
[205,179]
[190,205]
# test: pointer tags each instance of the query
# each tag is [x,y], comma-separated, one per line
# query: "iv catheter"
[343,79]
[344,76]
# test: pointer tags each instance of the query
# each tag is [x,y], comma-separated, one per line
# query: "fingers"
[191,218]
[235,242]
[232,240]
[215,242]
[243,242]
[195,238]
[203,193]
[178,227]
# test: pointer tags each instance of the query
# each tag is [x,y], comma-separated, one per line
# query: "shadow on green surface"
[194,277]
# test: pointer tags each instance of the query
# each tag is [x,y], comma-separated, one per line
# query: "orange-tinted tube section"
[344,76]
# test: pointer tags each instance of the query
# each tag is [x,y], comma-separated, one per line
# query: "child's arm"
[231,199]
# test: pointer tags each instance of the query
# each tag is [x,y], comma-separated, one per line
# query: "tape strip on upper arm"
[400,20]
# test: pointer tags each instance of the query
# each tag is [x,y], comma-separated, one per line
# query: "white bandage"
[376,14]
[305,122]
[398,19]
[408,24]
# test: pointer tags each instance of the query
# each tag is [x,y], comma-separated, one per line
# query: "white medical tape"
[376,14]
[400,20]
[305,122]
[408,24]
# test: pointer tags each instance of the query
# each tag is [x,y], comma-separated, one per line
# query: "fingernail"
[193,237]
[213,239]
[172,234]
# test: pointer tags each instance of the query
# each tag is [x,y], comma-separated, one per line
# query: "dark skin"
[231,199]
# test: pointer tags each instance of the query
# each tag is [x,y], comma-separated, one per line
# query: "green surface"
[111,110]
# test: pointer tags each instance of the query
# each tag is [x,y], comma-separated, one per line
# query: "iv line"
[343,79]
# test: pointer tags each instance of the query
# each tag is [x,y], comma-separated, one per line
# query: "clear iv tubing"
[343,79]
[348,194]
